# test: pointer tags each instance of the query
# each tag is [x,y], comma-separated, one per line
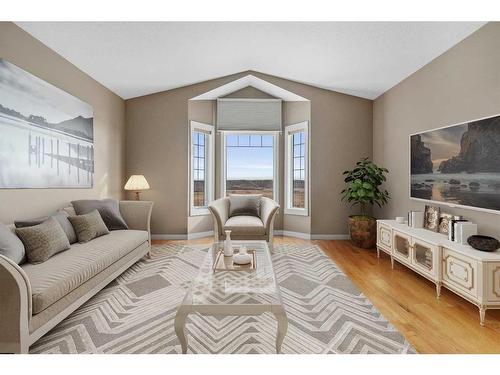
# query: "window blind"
[249,114]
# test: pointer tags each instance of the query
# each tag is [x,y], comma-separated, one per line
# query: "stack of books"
[416,219]
[459,230]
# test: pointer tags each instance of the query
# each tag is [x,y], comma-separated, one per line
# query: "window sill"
[199,212]
[296,211]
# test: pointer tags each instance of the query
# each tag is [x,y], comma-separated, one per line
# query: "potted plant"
[362,188]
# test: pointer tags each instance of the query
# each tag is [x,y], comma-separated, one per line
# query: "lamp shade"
[137,182]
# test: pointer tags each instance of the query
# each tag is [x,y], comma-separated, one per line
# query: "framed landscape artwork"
[458,165]
[46,134]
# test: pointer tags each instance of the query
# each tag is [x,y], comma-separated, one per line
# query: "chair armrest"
[268,210]
[137,215]
[220,213]
[15,307]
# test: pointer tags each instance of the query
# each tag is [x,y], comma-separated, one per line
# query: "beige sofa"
[36,297]
[244,227]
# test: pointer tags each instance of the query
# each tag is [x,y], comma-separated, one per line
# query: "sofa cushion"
[66,271]
[88,226]
[244,204]
[60,216]
[10,245]
[44,240]
[108,208]
[248,225]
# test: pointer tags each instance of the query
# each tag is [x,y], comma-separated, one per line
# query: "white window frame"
[288,139]
[276,172]
[209,166]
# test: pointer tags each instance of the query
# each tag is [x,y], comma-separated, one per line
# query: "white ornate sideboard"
[472,274]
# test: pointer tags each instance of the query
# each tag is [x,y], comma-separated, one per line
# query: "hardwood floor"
[408,301]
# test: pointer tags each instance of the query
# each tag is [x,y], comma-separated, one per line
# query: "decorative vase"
[228,246]
[363,231]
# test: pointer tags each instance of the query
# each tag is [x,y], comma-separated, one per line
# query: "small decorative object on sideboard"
[431,218]
[463,230]
[416,219]
[483,243]
[452,227]
[400,219]
[444,222]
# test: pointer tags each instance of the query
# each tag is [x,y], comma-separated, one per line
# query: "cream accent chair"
[244,227]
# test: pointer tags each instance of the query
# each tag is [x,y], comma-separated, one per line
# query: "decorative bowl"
[483,243]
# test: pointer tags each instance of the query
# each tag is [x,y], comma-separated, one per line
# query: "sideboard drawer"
[384,236]
[460,272]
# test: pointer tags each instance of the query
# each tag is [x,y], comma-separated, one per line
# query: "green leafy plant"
[363,185]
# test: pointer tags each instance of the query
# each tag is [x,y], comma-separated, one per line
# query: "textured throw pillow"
[244,204]
[11,246]
[88,226]
[62,219]
[108,208]
[43,240]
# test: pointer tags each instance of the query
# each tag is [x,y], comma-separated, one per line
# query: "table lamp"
[137,183]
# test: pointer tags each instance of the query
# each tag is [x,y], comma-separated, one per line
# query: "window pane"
[231,140]
[298,165]
[256,140]
[250,167]
[243,140]
[199,183]
[267,141]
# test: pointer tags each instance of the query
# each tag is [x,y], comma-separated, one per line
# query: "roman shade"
[249,114]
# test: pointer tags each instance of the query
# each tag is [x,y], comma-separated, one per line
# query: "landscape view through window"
[250,164]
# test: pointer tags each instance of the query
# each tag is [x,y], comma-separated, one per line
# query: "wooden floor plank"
[446,325]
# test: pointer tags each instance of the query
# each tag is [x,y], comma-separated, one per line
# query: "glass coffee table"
[234,293]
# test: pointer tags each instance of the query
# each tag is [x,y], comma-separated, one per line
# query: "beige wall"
[460,85]
[157,146]
[21,49]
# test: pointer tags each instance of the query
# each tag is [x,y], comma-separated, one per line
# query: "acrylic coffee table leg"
[180,328]
[280,315]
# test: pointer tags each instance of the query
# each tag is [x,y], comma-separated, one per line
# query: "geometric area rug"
[135,313]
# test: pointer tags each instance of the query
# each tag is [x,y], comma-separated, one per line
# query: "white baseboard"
[193,236]
[329,237]
[169,237]
[304,236]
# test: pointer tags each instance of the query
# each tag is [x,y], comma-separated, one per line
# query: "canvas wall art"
[458,164]
[46,134]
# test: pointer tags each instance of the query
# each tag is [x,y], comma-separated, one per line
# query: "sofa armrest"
[15,307]
[220,213]
[137,215]
[268,210]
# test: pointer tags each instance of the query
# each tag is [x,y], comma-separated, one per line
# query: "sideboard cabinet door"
[384,236]
[425,257]
[401,246]
[460,272]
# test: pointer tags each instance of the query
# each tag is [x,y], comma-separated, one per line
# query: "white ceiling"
[359,58]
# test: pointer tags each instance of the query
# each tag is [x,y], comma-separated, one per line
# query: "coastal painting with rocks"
[459,164]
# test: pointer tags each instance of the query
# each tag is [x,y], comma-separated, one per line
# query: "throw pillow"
[43,240]
[61,217]
[11,246]
[244,204]
[88,226]
[108,208]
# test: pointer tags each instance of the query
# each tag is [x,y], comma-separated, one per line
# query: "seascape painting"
[46,134]
[459,164]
